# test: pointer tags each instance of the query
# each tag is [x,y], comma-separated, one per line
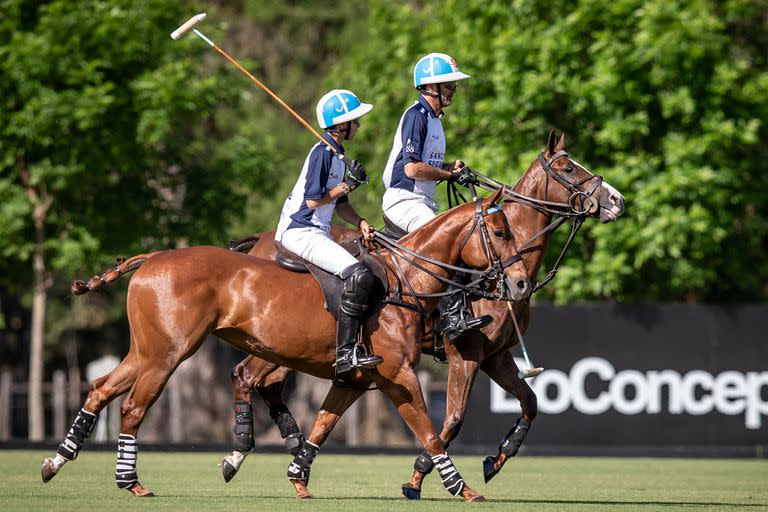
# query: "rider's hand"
[366,229]
[356,175]
[464,176]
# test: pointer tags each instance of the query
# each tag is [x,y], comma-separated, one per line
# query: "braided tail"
[122,266]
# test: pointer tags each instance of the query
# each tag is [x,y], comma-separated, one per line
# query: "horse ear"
[561,143]
[550,149]
[497,197]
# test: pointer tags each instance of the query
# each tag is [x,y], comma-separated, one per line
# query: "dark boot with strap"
[457,318]
[358,281]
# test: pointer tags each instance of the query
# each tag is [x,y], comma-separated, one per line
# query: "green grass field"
[192,481]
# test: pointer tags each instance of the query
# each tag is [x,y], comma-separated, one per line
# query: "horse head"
[573,186]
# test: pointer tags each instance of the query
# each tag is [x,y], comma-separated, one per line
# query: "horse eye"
[569,170]
[499,233]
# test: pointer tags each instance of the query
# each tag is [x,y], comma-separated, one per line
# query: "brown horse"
[177,298]
[533,201]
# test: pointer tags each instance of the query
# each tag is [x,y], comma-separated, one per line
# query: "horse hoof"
[411,492]
[474,498]
[302,492]
[489,469]
[47,470]
[227,470]
[140,491]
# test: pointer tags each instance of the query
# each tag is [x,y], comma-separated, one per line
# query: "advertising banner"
[639,375]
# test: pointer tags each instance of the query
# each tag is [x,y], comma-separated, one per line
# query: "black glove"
[465,177]
[356,175]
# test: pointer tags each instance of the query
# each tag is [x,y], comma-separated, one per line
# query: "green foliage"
[666,100]
[116,123]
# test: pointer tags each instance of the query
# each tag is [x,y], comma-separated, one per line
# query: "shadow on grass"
[515,501]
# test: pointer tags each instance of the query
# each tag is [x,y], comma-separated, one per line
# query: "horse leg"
[463,365]
[336,402]
[271,391]
[269,380]
[150,382]
[405,392]
[501,367]
[103,391]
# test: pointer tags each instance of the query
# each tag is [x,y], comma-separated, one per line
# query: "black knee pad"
[358,281]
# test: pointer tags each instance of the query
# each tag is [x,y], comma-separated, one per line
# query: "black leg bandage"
[452,480]
[424,463]
[299,468]
[80,430]
[289,430]
[125,470]
[243,426]
[514,438]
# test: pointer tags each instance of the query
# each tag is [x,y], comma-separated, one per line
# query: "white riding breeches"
[317,247]
[410,214]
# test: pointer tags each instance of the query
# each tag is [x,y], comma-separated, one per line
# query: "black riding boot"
[358,281]
[457,319]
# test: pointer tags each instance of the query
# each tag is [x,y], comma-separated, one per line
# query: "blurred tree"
[108,144]
[668,100]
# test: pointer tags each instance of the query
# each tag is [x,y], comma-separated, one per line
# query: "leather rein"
[477,287]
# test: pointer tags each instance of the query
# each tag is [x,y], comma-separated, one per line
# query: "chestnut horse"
[177,298]
[530,207]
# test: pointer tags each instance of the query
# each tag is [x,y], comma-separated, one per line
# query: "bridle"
[581,203]
[589,205]
[476,287]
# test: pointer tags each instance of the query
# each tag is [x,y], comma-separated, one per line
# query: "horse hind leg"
[149,384]
[103,391]
[269,380]
[336,402]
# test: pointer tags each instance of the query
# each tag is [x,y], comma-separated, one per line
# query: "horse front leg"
[463,364]
[405,392]
[103,391]
[336,402]
[503,370]
[269,380]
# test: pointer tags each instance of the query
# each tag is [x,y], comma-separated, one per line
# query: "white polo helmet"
[436,68]
[340,106]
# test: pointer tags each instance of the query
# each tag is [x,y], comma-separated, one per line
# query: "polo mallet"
[531,371]
[197,19]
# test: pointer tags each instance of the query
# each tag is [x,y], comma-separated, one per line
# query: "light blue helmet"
[340,106]
[436,68]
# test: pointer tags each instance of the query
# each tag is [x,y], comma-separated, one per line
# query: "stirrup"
[362,359]
[467,323]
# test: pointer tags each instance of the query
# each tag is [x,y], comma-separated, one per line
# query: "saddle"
[333,285]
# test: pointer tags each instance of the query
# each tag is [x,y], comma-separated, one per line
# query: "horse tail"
[122,266]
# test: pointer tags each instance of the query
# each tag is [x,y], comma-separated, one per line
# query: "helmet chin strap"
[346,131]
[438,95]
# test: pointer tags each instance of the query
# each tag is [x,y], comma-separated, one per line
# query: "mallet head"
[186,27]
[531,372]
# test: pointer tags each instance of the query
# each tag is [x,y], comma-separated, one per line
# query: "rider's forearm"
[348,214]
[424,171]
[336,192]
